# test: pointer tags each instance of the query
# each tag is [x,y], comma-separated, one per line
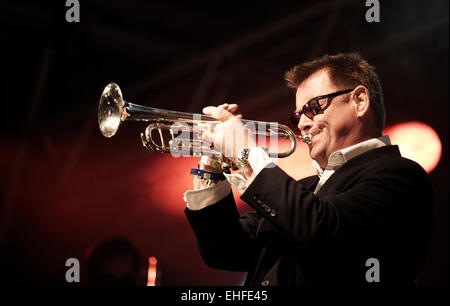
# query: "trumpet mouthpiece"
[306,139]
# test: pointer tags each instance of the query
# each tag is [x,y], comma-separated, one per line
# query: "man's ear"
[360,98]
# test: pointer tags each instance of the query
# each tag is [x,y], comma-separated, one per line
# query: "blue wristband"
[207,175]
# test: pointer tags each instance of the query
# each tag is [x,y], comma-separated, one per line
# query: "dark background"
[65,188]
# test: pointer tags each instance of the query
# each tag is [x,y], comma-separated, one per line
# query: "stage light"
[417,141]
[152,270]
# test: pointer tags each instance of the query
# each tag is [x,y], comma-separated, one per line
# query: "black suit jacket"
[377,205]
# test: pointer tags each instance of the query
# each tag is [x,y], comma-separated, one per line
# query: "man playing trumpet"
[366,204]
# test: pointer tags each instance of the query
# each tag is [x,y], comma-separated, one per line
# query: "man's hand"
[230,136]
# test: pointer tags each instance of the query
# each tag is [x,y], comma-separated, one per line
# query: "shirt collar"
[340,157]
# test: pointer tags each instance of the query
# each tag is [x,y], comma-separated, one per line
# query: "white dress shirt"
[340,157]
[259,159]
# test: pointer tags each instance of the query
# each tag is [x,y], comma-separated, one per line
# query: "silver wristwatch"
[242,158]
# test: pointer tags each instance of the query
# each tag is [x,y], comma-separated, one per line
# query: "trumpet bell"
[110,110]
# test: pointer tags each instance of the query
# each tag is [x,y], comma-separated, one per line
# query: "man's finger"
[217,112]
[209,110]
[208,136]
[232,108]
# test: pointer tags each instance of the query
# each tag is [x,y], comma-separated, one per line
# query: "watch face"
[243,158]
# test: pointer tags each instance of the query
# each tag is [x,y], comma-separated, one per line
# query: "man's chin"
[314,152]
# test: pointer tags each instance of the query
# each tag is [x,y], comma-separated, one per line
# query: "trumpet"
[113,110]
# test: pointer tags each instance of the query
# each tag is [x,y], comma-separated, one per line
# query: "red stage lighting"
[417,141]
[152,269]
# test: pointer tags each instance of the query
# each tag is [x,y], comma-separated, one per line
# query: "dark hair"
[345,70]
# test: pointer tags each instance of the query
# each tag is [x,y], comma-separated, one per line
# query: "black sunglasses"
[313,107]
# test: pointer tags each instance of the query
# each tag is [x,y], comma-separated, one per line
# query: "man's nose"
[305,124]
